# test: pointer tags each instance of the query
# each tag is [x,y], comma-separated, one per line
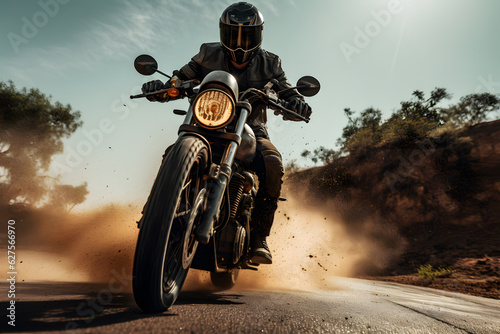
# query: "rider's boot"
[260,251]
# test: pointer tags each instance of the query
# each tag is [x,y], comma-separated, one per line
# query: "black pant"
[269,169]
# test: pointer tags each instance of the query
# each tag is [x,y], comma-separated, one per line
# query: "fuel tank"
[246,150]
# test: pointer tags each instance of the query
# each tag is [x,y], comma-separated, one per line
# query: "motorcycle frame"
[220,175]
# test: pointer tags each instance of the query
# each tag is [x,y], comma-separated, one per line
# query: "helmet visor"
[242,37]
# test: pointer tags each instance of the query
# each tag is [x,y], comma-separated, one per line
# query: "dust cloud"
[53,245]
[311,245]
[314,243]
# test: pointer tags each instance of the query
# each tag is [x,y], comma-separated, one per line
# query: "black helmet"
[241,26]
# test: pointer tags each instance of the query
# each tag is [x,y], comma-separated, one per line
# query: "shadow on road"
[207,297]
[65,306]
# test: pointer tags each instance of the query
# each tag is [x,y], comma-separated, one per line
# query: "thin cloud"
[136,26]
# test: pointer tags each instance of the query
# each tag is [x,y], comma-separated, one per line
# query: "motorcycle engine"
[232,238]
[230,243]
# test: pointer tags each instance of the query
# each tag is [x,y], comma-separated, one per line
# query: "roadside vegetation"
[416,119]
[421,186]
[32,129]
[427,271]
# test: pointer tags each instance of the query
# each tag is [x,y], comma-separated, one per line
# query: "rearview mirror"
[308,86]
[145,64]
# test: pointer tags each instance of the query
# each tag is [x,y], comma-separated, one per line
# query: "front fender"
[202,138]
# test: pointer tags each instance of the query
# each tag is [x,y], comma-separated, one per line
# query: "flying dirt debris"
[434,202]
[344,234]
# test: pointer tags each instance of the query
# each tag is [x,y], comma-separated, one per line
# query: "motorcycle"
[198,214]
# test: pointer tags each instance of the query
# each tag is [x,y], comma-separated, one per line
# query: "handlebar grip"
[146,94]
[161,91]
[285,104]
[281,106]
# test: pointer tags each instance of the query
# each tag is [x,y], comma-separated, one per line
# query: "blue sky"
[365,53]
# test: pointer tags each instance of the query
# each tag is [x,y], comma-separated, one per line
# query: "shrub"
[428,272]
[472,109]
[362,141]
[404,132]
[368,121]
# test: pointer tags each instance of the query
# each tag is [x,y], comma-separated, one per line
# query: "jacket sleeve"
[192,70]
[279,74]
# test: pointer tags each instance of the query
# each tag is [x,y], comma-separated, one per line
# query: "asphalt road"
[357,306]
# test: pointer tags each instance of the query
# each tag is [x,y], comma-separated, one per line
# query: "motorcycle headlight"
[213,109]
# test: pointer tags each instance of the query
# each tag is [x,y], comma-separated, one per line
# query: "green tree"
[362,130]
[412,121]
[422,108]
[415,118]
[472,109]
[31,132]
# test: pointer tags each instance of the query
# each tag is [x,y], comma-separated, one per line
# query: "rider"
[239,53]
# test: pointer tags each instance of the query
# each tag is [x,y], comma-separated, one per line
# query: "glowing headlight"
[213,109]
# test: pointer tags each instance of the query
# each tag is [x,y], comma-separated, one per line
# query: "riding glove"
[153,86]
[300,107]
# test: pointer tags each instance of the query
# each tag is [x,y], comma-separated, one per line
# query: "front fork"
[220,179]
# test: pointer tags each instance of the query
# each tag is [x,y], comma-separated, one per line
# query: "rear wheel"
[166,245]
[224,280]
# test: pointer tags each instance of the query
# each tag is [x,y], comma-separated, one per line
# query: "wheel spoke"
[186,185]
[186,199]
[186,190]
[174,259]
[182,214]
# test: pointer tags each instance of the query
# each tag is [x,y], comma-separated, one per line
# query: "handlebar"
[186,89]
[278,105]
[149,94]
[284,110]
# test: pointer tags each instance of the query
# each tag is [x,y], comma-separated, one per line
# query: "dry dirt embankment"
[440,197]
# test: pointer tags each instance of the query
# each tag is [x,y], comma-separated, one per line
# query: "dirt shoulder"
[432,202]
[477,277]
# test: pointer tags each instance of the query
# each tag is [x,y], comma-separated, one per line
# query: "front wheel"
[225,280]
[166,244]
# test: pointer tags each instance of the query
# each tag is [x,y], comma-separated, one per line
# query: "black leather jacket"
[262,68]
